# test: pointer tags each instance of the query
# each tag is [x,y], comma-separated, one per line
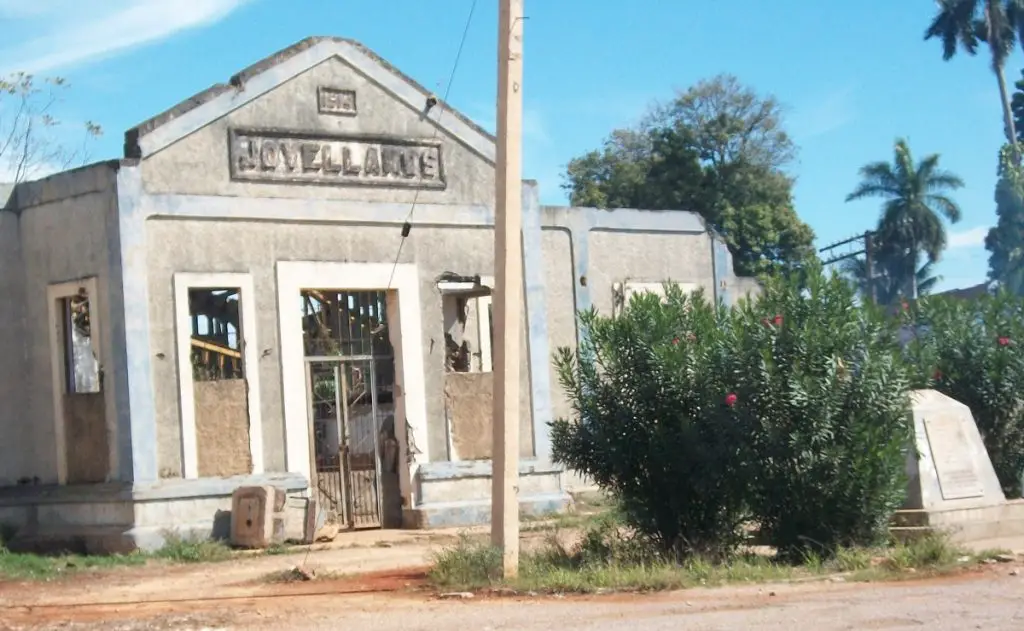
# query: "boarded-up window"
[86,439]
[219,385]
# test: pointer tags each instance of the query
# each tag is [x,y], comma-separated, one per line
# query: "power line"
[407,225]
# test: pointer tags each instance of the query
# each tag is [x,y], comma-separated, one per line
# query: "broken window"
[466,314]
[81,366]
[220,391]
[345,323]
[81,408]
[216,337]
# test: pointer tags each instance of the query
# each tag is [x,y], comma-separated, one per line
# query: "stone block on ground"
[252,516]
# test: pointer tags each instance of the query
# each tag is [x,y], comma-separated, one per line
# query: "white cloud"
[64,33]
[970,238]
[824,114]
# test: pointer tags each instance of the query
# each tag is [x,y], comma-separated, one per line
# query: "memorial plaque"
[336,101]
[274,156]
[958,476]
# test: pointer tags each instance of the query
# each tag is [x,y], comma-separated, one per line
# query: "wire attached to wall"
[430,103]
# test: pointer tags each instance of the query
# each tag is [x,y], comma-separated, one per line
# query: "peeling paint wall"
[254,247]
[15,457]
[222,428]
[469,400]
[64,235]
[199,163]
[650,258]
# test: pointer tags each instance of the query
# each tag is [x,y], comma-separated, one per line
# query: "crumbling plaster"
[58,230]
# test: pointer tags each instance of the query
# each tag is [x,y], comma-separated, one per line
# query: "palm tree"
[966,23]
[916,199]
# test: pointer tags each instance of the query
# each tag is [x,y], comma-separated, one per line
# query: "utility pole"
[869,265]
[508,294]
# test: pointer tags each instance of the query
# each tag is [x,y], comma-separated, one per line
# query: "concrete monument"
[952,485]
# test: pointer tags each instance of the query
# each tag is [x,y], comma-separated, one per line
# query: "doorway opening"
[350,378]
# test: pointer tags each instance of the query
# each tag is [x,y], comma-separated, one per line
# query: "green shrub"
[819,381]
[792,407]
[652,426]
[971,350]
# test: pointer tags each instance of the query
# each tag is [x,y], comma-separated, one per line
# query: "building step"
[905,534]
[910,518]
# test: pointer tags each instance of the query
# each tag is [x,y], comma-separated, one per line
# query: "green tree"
[966,24]
[1017,105]
[916,199]
[718,149]
[1005,240]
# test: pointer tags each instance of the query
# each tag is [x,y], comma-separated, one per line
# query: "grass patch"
[19,566]
[600,563]
[177,549]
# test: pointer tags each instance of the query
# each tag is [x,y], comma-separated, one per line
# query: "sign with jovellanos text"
[301,158]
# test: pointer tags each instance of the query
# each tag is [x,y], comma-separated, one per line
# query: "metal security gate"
[350,377]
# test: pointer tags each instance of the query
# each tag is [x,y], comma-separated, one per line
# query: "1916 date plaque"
[336,101]
[958,476]
[274,156]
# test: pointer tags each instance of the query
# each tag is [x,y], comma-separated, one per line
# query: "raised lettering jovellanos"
[342,160]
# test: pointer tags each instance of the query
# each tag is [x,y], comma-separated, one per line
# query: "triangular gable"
[219,100]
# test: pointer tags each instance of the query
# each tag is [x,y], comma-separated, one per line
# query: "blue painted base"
[478,513]
[105,518]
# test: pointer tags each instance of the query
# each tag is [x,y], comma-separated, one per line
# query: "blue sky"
[853,77]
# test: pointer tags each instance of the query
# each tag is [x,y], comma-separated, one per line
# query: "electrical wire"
[407,224]
[443,104]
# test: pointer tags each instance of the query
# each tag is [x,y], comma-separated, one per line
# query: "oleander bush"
[790,409]
[822,388]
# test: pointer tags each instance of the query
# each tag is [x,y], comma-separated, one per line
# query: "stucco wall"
[652,258]
[613,257]
[176,245]
[556,245]
[199,164]
[15,457]
[64,236]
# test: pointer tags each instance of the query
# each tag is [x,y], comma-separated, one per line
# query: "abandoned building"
[286,280]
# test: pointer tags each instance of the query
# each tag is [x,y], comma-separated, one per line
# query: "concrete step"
[910,518]
[905,534]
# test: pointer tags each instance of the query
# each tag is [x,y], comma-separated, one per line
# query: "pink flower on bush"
[731,398]
[778,320]
[1004,341]
[675,341]
[690,337]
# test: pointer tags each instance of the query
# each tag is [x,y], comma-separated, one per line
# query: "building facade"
[286,281]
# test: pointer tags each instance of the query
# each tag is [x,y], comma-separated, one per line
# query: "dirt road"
[376,582]
[213,598]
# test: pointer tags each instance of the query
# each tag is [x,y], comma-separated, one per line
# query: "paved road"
[994,601]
